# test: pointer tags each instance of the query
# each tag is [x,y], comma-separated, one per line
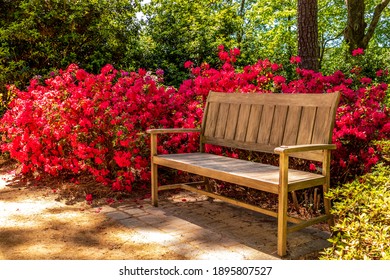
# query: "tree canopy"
[37,37]
[40,36]
[177,31]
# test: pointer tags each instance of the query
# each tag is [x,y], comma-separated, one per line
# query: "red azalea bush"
[362,118]
[78,123]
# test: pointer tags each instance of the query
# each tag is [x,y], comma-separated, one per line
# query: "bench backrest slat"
[262,122]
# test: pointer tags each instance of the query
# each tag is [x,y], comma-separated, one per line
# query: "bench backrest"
[262,122]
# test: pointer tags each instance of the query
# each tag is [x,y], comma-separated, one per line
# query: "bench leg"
[154,183]
[282,205]
[207,184]
[154,169]
[325,187]
[282,223]
[208,188]
[327,207]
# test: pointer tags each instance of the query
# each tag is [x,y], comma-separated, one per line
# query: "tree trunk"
[356,26]
[308,34]
[240,33]
[355,33]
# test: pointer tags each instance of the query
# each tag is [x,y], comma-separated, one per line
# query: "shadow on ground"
[34,225]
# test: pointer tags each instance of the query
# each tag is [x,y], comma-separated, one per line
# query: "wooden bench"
[290,125]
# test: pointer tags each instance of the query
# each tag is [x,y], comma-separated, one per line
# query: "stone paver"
[199,229]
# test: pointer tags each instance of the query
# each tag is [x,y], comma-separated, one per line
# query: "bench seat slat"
[252,174]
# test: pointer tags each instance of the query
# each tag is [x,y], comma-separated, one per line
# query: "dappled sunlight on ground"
[36,226]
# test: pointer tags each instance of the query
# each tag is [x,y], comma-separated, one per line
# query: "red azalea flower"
[81,74]
[235,52]
[188,64]
[274,67]
[224,56]
[365,80]
[357,52]
[295,60]
[89,197]
[98,160]
[279,79]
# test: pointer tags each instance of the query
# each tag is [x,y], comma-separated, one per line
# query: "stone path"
[199,229]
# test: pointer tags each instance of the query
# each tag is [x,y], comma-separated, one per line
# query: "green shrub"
[362,212]
[39,37]
[384,145]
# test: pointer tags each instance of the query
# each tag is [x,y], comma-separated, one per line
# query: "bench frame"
[282,177]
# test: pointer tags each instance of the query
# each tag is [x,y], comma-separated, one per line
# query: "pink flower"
[295,60]
[365,80]
[205,66]
[372,161]
[142,72]
[224,56]
[188,64]
[124,73]
[81,74]
[196,71]
[279,80]
[107,69]
[104,105]
[386,128]
[89,197]
[160,72]
[124,143]
[357,52]
[122,159]
[379,73]
[353,158]
[235,52]
[274,67]
[98,160]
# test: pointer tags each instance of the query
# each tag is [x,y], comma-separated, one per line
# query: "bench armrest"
[172,130]
[303,148]
[156,131]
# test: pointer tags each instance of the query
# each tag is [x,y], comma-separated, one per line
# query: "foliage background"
[37,37]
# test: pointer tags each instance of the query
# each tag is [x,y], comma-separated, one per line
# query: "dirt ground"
[35,226]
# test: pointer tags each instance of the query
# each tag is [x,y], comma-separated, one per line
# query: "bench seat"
[255,175]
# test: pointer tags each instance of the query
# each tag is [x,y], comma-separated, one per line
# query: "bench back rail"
[262,122]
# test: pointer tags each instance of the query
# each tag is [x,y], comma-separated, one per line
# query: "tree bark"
[308,49]
[240,33]
[356,33]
